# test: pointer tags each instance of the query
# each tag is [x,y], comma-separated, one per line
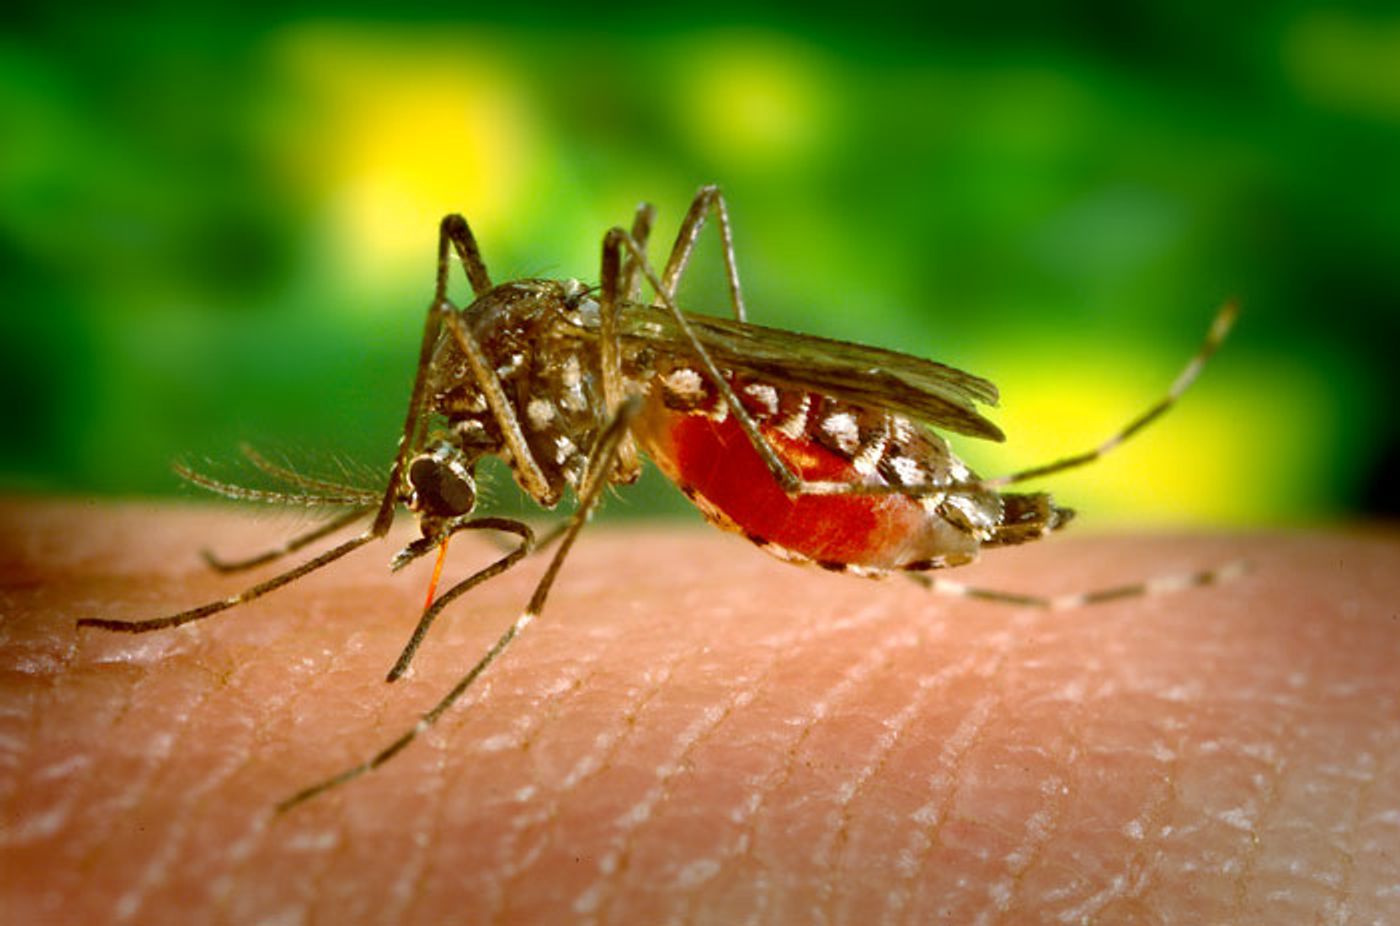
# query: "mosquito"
[818,451]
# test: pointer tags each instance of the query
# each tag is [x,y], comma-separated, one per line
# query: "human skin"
[695,732]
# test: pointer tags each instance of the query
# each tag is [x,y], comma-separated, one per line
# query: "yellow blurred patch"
[752,99]
[1243,446]
[395,129]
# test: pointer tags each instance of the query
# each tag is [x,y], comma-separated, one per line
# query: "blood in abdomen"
[716,464]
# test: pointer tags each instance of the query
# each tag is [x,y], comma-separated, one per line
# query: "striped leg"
[708,199]
[343,520]
[604,457]
[1154,586]
[618,279]
[631,270]
[1220,327]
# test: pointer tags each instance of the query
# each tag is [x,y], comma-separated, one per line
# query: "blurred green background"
[217,222]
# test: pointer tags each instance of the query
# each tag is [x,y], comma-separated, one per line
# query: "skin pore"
[695,732]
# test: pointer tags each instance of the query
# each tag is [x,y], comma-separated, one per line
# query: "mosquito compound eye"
[443,485]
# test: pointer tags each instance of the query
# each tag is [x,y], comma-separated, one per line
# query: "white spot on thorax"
[470,429]
[571,376]
[510,366]
[541,412]
[573,373]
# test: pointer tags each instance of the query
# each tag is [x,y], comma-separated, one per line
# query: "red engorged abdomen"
[715,463]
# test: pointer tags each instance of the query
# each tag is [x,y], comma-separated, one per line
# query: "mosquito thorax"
[528,332]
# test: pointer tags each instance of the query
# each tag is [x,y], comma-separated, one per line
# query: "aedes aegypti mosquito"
[818,451]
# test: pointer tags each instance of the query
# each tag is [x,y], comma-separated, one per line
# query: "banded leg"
[708,199]
[455,231]
[1220,327]
[631,285]
[604,455]
[537,484]
[428,544]
[248,594]
[1155,586]
[453,234]
[543,541]
[615,279]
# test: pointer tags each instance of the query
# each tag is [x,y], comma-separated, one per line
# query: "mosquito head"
[576,294]
[442,482]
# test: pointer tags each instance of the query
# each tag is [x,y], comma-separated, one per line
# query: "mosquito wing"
[936,394]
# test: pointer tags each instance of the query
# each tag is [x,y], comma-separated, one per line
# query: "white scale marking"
[795,425]
[766,395]
[540,411]
[841,427]
[868,459]
[908,471]
[684,383]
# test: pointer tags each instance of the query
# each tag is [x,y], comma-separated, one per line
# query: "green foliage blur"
[217,223]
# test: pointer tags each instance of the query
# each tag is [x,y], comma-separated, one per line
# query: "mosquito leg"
[454,234]
[383,519]
[1155,586]
[1219,328]
[708,199]
[301,540]
[604,456]
[610,344]
[542,542]
[793,484]
[223,604]
[291,546]
[527,540]
[537,484]
[631,284]
[458,233]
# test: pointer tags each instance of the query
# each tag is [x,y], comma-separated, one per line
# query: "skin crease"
[695,732]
